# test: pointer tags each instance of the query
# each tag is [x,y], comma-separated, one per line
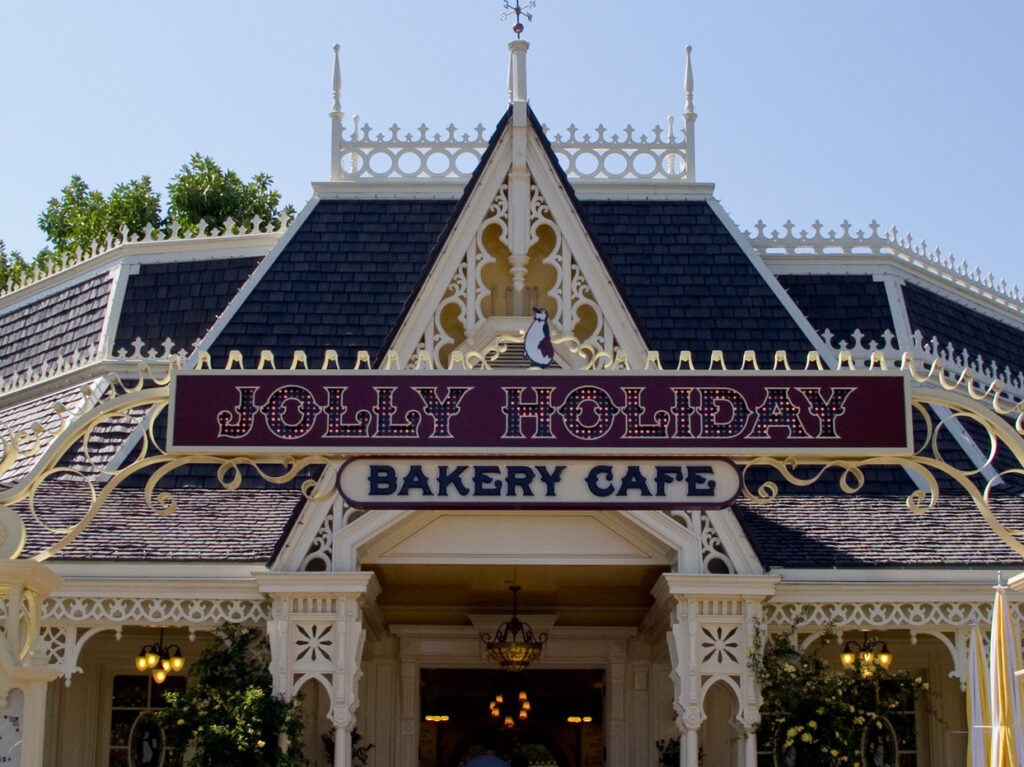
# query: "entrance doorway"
[534,718]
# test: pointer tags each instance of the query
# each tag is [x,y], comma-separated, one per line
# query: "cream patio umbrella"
[1004,690]
[977,701]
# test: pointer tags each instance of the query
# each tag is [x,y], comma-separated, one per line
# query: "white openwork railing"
[835,245]
[172,233]
[865,351]
[366,155]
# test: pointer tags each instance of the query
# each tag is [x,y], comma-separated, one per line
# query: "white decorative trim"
[124,239]
[891,348]
[838,248]
[194,612]
[450,156]
[940,615]
[68,622]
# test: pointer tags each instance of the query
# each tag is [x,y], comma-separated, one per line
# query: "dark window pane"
[121,726]
[130,691]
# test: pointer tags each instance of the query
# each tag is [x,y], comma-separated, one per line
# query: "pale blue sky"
[909,112]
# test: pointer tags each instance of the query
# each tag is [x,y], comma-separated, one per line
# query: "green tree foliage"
[229,716]
[202,190]
[816,716]
[81,216]
[12,265]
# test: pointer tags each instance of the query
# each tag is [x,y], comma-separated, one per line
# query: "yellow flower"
[812,724]
[260,744]
[806,737]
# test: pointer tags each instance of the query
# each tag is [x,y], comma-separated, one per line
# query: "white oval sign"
[524,482]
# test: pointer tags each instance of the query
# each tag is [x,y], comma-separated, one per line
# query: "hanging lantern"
[513,645]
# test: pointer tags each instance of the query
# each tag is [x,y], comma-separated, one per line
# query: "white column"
[322,604]
[23,661]
[351,639]
[616,704]
[685,677]
[409,710]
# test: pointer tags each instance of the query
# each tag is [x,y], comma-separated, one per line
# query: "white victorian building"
[427,256]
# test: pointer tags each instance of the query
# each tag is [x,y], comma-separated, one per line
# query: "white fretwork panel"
[714,558]
[883,614]
[146,611]
[469,300]
[67,623]
[466,292]
[720,649]
[314,645]
[320,639]
[572,293]
[603,154]
[320,556]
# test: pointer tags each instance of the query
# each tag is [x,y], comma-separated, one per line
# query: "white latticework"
[832,246]
[67,623]
[144,611]
[878,614]
[472,297]
[660,157]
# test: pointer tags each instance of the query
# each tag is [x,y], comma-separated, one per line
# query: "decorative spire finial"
[519,10]
[337,80]
[336,117]
[689,116]
[688,84]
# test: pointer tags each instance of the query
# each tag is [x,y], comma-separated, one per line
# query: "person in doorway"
[489,757]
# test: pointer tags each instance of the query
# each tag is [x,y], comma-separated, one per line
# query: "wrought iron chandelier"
[869,655]
[506,713]
[159,659]
[513,645]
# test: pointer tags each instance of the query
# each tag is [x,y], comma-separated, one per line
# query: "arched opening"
[721,742]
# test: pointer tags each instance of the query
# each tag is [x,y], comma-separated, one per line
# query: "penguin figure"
[538,348]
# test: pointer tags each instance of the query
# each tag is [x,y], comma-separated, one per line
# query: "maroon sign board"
[677,413]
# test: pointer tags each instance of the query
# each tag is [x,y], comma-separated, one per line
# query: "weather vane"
[518,10]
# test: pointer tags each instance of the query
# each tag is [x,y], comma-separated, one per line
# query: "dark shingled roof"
[178,300]
[841,303]
[863,531]
[953,322]
[23,417]
[209,525]
[56,325]
[689,283]
[341,282]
